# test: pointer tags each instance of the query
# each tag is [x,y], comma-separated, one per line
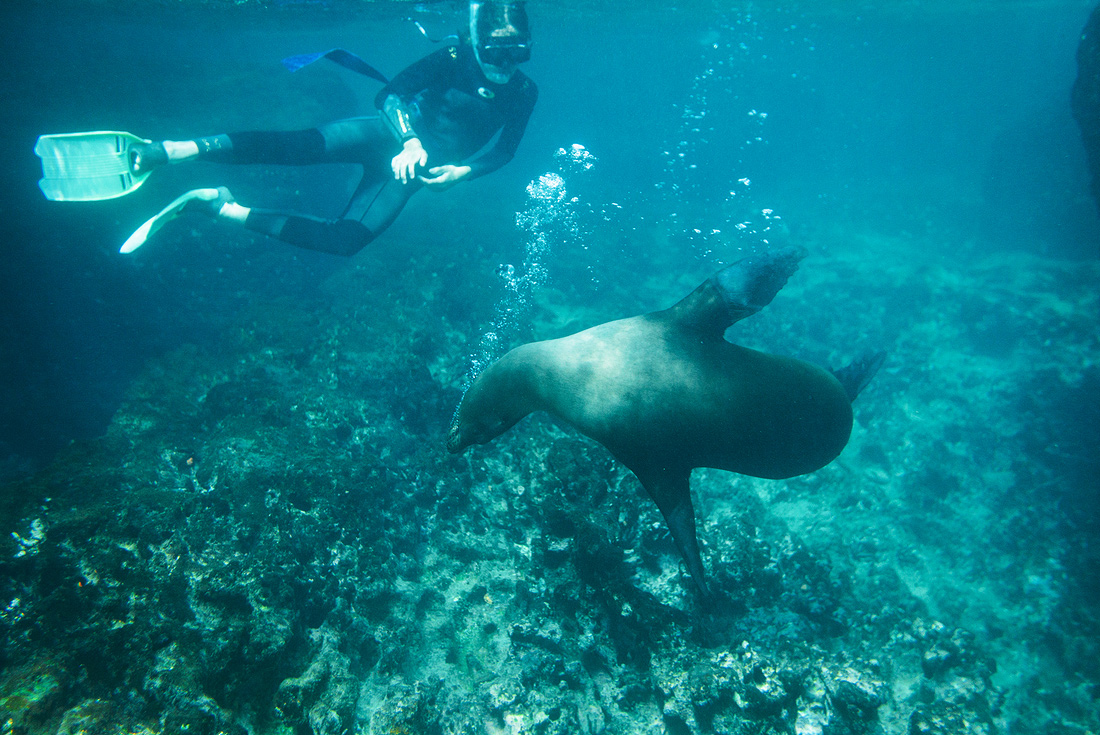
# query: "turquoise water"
[229,506]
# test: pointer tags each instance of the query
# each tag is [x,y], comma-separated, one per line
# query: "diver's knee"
[338,237]
[349,237]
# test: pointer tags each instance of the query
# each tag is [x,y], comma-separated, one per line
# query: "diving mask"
[501,38]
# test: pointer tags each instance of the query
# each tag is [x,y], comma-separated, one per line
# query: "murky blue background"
[942,120]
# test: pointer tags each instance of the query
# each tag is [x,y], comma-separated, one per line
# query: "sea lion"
[665,392]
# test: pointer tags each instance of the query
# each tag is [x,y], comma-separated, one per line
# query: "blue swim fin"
[343,57]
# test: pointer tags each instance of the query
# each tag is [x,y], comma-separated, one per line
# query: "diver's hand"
[404,163]
[444,177]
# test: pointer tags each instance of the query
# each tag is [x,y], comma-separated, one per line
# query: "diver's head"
[501,37]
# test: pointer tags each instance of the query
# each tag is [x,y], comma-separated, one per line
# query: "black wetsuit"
[454,111]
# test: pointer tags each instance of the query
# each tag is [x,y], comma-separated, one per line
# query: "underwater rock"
[404,709]
[30,694]
[591,720]
[857,696]
[1086,96]
[956,695]
[765,693]
[324,697]
[174,681]
[947,649]
[504,694]
[945,718]
[87,718]
[294,554]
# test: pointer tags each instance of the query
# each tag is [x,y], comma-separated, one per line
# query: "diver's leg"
[338,237]
[344,141]
[377,206]
[374,206]
[299,147]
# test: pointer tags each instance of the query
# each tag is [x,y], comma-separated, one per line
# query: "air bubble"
[548,218]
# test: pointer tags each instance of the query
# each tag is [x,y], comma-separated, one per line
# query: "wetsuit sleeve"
[397,119]
[392,100]
[510,135]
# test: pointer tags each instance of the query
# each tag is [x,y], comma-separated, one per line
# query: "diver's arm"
[432,70]
[404,163]
[446,176]
[510,135]
[396,117]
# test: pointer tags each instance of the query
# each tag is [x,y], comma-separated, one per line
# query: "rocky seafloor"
[271,537]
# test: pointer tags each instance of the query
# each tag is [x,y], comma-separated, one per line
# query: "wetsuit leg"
[355,140]
[294,148]
[336,236]
[377,201]
[374,206]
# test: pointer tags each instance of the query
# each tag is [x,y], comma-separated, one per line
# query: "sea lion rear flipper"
[855,376]
[751,283]
[671,491]
[738,290]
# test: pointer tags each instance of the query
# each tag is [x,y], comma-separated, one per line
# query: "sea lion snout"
[454,436]
[466,433]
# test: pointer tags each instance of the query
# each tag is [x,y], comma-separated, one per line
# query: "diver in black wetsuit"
[434,115]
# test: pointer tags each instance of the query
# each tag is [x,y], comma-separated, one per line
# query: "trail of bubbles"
[548,219]
[712,215]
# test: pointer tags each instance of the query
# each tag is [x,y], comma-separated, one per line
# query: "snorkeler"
[434,116]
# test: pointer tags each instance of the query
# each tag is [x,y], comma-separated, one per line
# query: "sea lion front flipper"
[737,291]
[671,491]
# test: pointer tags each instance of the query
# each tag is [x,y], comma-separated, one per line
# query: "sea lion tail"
[855,376]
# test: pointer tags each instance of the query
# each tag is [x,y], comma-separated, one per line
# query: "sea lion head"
[472,425]
[494,402]
[463,433]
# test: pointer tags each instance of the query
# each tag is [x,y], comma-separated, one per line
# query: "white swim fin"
[82,167]
[166,215]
